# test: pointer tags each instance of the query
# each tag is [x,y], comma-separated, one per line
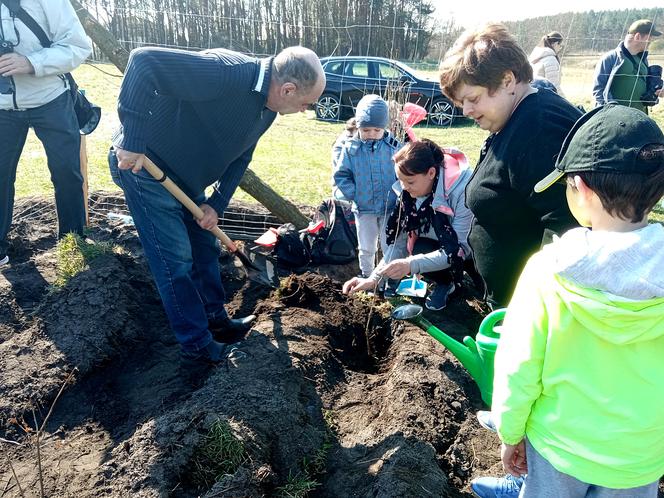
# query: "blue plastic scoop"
[412,287]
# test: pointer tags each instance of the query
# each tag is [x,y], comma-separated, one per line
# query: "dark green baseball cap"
[608,138]
[643,26]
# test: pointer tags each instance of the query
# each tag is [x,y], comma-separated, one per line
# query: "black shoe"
[230,330]
[212,354]
[196,365]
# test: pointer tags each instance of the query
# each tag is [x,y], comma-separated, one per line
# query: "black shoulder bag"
[87,113]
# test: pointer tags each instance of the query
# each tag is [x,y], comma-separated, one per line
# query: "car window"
[388,72]
[334,67]
[360,69]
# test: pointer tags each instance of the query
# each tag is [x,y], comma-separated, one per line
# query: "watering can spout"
[466,353]
[475,356]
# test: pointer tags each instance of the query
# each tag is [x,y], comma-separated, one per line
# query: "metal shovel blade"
[407,312]
[412,287]
[259,268]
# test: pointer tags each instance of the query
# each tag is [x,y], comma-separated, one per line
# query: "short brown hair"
[482,58]
[629,196]
[415,158]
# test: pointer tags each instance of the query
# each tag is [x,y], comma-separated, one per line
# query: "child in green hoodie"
[578,396]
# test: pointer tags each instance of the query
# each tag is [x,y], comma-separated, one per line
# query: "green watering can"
[474,354]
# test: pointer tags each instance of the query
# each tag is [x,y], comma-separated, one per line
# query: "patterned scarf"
[408,218]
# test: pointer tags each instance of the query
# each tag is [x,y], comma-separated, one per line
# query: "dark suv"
[350,78]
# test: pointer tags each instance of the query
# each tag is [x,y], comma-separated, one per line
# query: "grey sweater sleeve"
[428,262]
[462,222]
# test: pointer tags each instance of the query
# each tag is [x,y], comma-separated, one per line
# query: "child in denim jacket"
[365,173]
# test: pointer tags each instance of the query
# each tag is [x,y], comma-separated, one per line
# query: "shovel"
[412,287]
[263,274]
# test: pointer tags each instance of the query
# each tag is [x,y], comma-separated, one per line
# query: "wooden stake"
[83,154]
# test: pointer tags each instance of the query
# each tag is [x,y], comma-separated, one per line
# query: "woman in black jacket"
[488,75]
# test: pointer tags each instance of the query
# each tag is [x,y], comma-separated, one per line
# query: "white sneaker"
[485,419]
[4,261]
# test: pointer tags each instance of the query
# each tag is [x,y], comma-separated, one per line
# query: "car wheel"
[328,107]
[442,112]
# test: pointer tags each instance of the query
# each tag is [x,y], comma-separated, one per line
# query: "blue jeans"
[56,126]
[545,481]
[183,257]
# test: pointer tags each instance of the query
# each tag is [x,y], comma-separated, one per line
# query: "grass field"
[293,156]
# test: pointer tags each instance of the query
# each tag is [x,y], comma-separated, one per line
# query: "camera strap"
[16,10]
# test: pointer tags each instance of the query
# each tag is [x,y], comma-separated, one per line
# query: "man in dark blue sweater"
[198,116]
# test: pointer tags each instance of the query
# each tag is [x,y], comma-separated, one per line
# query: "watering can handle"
[470,343]
[488,324]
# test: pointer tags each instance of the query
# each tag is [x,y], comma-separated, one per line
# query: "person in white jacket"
[34,93]
[545,61]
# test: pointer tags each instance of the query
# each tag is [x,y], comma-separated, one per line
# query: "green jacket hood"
[609,281]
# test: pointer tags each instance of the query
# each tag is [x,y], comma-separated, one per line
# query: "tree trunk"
[282,208]
[102,37]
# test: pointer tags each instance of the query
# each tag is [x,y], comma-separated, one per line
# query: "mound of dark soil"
[331,396]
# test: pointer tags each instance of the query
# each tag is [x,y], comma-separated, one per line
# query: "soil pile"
[332,399]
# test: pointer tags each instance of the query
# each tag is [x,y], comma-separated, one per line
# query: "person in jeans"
[34,93]
[198,116]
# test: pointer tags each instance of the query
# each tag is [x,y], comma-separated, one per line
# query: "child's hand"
[514,458]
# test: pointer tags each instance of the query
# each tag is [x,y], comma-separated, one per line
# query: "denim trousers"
[544,481]
[183,257]
[56,127]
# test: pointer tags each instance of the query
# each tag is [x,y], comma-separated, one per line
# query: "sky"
[470,13]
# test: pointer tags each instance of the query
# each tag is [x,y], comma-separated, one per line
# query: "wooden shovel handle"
[161,177]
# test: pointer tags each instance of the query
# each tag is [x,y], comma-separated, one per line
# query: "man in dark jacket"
[198,116]
[621,75]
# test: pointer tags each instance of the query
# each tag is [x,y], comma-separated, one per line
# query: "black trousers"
[56,127]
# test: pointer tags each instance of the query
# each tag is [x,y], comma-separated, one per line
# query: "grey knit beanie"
[372,112]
